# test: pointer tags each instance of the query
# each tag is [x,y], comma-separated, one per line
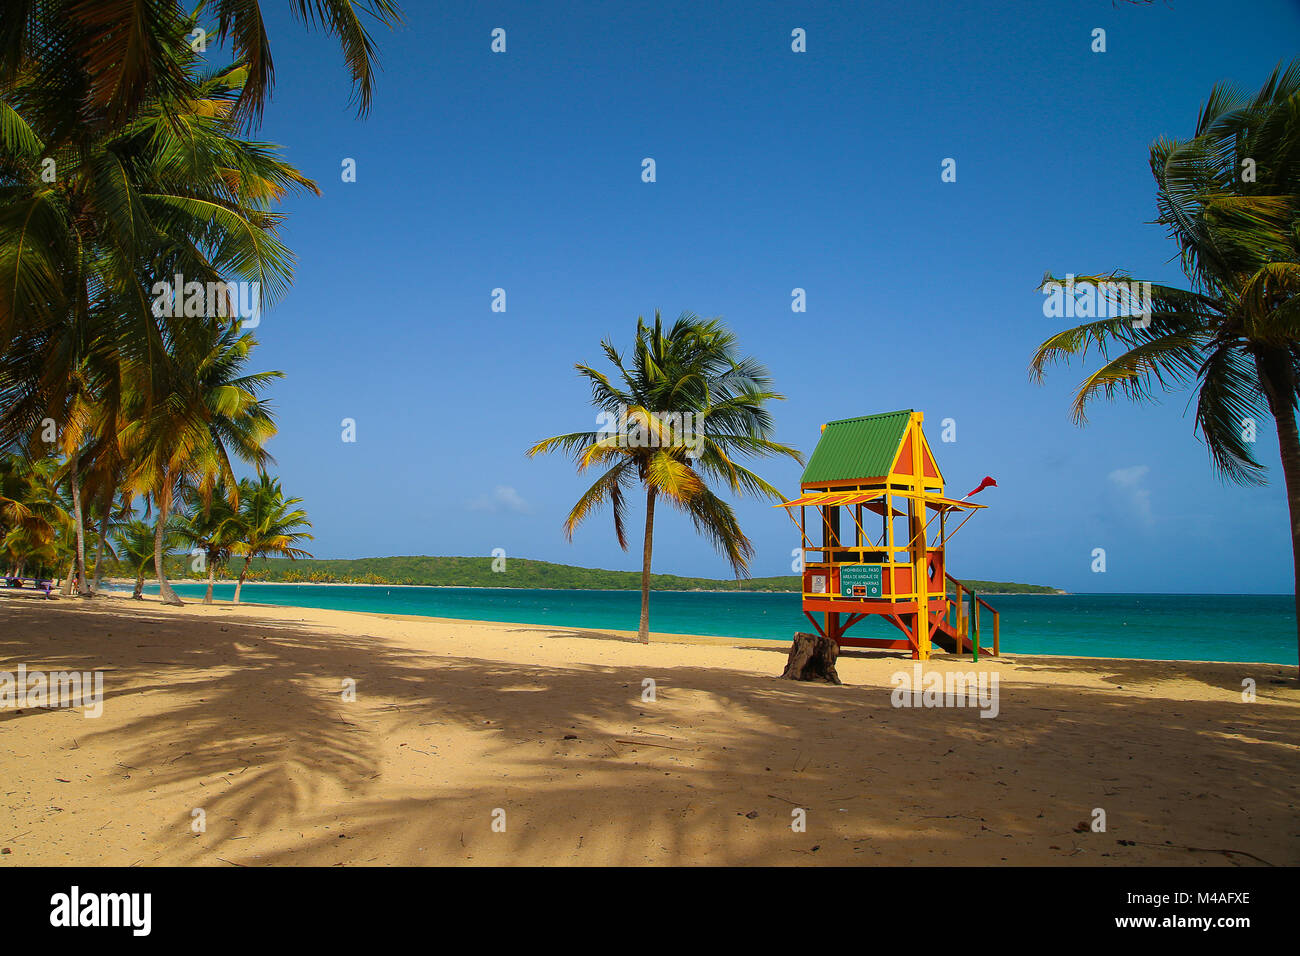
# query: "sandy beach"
[240,713]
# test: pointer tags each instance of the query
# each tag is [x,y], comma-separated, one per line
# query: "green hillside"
[519,573]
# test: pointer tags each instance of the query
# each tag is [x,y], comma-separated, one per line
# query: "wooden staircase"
[952,629]
[958,632]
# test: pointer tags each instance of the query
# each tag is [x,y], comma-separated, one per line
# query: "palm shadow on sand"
[638,782]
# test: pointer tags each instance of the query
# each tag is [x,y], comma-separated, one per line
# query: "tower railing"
[967,626]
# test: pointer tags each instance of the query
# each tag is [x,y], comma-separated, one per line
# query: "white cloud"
[1130,482]
[502,498]
[1129,477]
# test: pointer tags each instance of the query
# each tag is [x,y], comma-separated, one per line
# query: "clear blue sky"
[775,170]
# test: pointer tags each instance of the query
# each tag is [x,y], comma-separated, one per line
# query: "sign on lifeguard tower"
[861,580]
[876,541]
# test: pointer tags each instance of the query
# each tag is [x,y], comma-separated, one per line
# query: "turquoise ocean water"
[1214,627]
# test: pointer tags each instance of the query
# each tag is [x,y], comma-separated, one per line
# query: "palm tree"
[214,412]
[120,163]
[114,60]
[31,511]
[102,536]
[36,515]
[83,242]
[270,524]
[174,191]
[136,550]
[1230,198]
[102,487]
[680,416]
[215,528]
[22,552]
[78,410]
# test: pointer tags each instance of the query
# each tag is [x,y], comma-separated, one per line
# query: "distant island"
[476,572]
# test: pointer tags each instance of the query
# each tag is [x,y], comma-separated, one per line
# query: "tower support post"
[916,527]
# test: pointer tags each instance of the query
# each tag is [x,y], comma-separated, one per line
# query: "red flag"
[988,482]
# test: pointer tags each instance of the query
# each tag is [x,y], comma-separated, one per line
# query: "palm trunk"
[139,584]
[212,575]
[239,585]
[643,632]
[67,578]
[165,591]
[1279,390]
[79,526]
[99,548]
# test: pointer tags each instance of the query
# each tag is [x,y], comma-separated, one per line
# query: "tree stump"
[812,658]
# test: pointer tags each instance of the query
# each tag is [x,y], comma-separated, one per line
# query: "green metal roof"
[857,448]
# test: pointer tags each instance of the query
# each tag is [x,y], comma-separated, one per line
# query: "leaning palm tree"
[269,524]
[682,413]
[1230,198]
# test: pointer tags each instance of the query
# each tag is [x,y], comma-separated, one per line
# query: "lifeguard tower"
[879,531]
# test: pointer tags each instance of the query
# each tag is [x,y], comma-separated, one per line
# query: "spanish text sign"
[860,580]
